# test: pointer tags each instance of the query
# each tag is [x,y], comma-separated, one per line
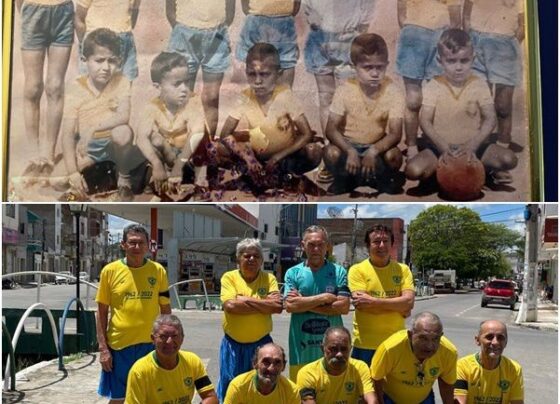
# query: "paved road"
[536,350]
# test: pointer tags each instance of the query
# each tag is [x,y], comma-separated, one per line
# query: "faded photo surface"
[268,100]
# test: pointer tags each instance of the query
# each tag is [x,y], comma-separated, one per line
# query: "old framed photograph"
[271,100]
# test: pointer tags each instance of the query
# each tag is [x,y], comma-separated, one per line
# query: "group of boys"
[382,363]
[362,117]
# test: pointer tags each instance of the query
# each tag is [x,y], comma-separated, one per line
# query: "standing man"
[316,293]
[407,364]
[249,296]
[336,378]
[136,290]
[169,375]
[488,376]
[382,293]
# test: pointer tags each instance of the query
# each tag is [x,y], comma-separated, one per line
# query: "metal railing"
[6,333]
[62,324]
[176,293]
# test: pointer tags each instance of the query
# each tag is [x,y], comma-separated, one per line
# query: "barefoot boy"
[457,114]
[96,113]
[172,124]
[365,122]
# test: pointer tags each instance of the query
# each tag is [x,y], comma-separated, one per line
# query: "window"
[10,210]
[276,230]
[266,227]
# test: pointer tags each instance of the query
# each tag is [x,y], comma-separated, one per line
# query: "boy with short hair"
[421,23]
[457,114]
[200,32]
[365,122]
[96,113]
[172,124]
[271,21]
[119,16]
[279,139]
[497,27]
[47,27]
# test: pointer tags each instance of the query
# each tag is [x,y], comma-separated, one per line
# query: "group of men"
[381,363]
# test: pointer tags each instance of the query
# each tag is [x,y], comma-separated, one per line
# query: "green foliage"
[450,237]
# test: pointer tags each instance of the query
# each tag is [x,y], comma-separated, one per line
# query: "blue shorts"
[236,358]
[497,58]
[416,52]
[206,48]
[129,64]
[363,354]
[329,52]
[100,150]
[428,400]
[277,31]
[44,26]
[113,384]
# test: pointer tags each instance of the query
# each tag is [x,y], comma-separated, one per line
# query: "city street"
[536,350]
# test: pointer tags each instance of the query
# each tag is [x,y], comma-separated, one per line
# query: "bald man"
[488,376]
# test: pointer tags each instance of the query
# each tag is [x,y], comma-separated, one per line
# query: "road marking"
[464,311]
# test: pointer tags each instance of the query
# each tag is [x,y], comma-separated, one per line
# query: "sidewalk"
[547,317]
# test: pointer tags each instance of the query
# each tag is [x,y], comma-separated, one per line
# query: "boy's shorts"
[206,48]
[363,354]
[277,31]
[129,66]
[497,58]
[113,384]
[425,142]
[103,149]
[416,52]
[329,52]
[43,26]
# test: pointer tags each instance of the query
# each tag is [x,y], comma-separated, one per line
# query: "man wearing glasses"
[169,375]
[136,290]
[382,293]
[407,364]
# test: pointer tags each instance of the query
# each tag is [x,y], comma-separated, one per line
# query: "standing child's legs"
[503,101]
[211,99]
[413,90]
[326,84]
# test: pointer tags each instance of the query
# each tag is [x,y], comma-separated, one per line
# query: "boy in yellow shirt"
[365,123]
[172,124]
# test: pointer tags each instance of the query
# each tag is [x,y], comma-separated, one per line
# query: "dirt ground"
[152,33]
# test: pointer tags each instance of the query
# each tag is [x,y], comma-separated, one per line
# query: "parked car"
[499,291]
[84,276]
[8,283]
[59,280]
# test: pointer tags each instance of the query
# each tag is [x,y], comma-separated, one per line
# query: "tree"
[450,237]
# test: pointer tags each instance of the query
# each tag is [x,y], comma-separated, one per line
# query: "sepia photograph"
[271,100]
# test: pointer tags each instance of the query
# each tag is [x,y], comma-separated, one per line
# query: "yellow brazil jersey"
[346,388]
[482,386]
[389,281]
[243,390]
[271,8]
[201,14]
[246,328]
[47,2]
[150,383]
[134,296]
[115,15]
[406,379]
[438,17]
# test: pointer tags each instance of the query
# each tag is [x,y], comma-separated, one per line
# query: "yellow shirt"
[113,14]
[496,16]
[482,386]
[274,130]
[271,8]
[201,14]
[148,382]
[46,2]
[367,118]
[243,390]
[175,128]
[389,281]
[431,14]
[246,328]
[134,295]
[457,115]
[88,106]
[395,361]
[346,388]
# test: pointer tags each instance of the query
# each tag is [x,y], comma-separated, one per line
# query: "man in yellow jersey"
[488,376]
[336,378]
[168,375]
[382,293]
[265,383]
[249,296]
[407,364]
[136,290]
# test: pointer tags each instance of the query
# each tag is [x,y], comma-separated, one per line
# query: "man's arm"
[427,113]
[402,304]
[171,12]
[340,306]
[134,10]
[461,399]
[378,385]
[445,391]
[105,358]
[369,398]
[80,22]
[488,116]
[208,397]
[334,134]
[296,303]
[250,305]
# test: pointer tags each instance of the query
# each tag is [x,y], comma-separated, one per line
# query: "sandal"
[324,176]
[502,177]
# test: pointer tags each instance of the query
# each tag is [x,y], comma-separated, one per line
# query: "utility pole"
[528,308]
[354,230]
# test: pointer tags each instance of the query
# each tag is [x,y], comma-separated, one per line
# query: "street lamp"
[77,209]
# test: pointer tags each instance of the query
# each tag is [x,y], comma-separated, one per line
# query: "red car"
[499,291]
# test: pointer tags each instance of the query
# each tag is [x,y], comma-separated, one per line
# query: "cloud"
[117,224]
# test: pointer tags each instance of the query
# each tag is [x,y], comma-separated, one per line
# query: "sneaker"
[324,176]
[125,193]
[502,177]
